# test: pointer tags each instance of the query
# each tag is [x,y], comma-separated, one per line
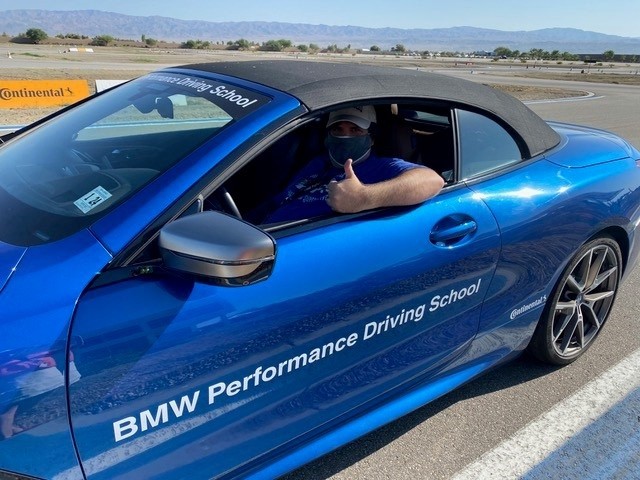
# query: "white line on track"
[588,96]
[593,434]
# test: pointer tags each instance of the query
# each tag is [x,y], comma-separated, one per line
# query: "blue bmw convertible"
[156,323]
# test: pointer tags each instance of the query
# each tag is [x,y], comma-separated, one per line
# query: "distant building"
[482,54]
[599,57]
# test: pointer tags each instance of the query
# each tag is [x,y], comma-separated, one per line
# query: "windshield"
[65,174]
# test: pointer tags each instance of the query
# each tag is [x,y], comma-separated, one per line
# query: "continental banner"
[41,93]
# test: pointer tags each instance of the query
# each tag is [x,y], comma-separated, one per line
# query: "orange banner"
[41,93]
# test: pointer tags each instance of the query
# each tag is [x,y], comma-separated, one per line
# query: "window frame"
[517,142]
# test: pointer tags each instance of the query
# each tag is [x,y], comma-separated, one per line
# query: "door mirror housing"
[218,247]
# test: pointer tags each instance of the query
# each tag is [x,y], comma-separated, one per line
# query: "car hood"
[10,256]
[585,146]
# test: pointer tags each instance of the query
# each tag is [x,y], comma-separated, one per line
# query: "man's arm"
[409,188]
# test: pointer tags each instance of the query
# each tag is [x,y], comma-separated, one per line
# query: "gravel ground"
[147,59]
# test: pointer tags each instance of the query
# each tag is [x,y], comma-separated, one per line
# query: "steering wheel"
[101,162]
[230,202]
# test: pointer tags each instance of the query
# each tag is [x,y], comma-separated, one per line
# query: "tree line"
[37,35]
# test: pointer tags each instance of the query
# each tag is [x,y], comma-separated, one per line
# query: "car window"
[418,135]
[424,135]
[66,173]
[174,113]
[484,145]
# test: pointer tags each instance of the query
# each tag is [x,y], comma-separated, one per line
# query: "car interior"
[419,134]
[415,134]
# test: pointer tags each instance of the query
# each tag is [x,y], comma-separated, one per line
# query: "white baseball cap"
[362,116]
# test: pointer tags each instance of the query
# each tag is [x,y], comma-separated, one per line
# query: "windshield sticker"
[91,200]
[233,100]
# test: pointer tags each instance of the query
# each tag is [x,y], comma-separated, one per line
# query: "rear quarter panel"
[546,212]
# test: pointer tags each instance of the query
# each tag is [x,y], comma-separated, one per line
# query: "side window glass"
[484,145]
[255,191]
[424,137]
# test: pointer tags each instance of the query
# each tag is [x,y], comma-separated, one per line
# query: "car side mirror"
[221,248]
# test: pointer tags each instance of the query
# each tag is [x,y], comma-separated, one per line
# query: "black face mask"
[343,148]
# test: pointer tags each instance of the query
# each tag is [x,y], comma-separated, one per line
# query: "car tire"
[580,303]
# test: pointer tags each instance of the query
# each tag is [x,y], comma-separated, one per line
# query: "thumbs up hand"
[348,195]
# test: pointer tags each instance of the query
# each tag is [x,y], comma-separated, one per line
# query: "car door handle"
[452,231]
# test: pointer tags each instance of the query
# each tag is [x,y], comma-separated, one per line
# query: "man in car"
[350,178]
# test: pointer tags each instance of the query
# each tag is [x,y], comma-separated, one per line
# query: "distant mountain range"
[463,39]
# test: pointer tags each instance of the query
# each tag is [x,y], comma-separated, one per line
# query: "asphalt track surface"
[526,420]
[523,420]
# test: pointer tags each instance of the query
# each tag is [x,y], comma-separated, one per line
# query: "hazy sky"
[615,17]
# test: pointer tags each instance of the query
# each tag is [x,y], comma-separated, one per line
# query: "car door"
[180,374]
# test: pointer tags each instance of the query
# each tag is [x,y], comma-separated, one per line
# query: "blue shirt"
[306,196]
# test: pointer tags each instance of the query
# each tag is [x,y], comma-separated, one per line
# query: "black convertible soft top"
[319,85]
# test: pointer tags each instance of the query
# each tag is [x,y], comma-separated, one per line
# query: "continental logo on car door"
[41,93]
